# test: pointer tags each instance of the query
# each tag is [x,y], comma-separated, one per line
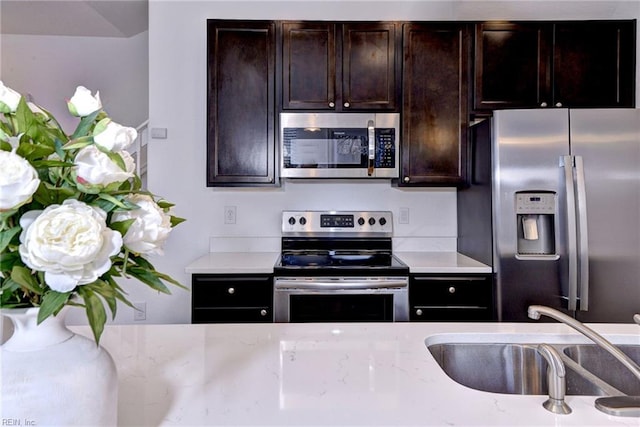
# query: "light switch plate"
[159,133]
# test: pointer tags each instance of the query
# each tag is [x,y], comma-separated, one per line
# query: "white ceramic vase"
[54,377]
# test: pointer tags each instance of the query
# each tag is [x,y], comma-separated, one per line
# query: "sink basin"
[606,367]
[514,368]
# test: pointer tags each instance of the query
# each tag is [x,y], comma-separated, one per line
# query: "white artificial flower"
[96,168]
[82,103]
[115,137]
[71,243]
[18,180]
[9,99]
[150,229]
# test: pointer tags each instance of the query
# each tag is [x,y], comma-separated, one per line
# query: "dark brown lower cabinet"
[231,298]
[434,107]
[451,298]
[241,134]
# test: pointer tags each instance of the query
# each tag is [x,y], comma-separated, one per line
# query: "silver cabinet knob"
[231,290]
[419,312]
[332,104]
[558,104]
[406,179]
[452,290]
[544,104]
[263,312]
[347,105]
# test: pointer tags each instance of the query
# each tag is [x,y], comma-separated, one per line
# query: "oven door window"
[321,148]
[341,308]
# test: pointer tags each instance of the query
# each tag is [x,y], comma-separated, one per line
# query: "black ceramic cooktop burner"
[335,259]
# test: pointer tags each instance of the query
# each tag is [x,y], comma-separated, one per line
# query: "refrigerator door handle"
[572,242]
[582,235]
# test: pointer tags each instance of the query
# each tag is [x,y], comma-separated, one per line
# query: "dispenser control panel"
[535,203]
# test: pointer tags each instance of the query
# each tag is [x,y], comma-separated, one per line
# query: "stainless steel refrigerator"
[554,206]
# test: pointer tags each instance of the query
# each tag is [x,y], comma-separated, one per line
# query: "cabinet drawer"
[451,298]
[232,315]
[232,292]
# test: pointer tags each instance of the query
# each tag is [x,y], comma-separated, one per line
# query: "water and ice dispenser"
[535,221]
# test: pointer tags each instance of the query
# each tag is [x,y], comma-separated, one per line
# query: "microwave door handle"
[372,146]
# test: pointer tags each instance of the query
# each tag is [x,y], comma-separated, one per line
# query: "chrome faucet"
[624,406]
[535,311]
[556,380]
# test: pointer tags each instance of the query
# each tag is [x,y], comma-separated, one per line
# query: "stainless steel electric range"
[338,266]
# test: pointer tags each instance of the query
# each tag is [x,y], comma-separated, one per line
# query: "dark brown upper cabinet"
[435,104]
[241,147]
[339,66]
[555,64]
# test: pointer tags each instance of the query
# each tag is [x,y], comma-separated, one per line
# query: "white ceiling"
[86,18]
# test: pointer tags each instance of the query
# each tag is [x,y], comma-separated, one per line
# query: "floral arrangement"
[73,215]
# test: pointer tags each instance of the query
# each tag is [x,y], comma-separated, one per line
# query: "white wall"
[50,67]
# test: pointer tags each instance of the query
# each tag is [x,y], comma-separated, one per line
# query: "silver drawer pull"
[231,290]
[452,290]
[263,312]
[419,312]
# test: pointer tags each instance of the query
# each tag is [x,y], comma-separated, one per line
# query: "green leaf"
[165,204]
[52,302]
[149,278]
[107,292]
[78,143]
[122,226]
[25,279]
[95,311]
[175,220]
[25,118]
[6,237]
[111,199]
[9,260]
[85,125]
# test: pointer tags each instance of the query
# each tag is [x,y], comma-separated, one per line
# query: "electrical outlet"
[229,214]
[404,216]
[139,311]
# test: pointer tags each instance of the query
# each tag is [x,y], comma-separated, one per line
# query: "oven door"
[341,299]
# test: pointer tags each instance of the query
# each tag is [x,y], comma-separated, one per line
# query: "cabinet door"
[594,64]
[512,66]
[308,66]
[434,115]
[241,103]
[369,66]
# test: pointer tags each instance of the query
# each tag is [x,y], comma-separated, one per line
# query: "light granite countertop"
[328,374]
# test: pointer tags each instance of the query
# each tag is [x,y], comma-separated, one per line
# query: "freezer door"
[528,148]
[608,141]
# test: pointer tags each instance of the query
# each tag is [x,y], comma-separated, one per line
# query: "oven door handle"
[339,284]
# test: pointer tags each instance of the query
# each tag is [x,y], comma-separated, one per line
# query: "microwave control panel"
[385,148]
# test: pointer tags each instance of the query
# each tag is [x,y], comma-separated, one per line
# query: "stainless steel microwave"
[339,145]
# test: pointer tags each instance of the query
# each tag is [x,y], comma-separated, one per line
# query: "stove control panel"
[337,223]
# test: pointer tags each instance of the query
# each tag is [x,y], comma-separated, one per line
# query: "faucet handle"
[555,380]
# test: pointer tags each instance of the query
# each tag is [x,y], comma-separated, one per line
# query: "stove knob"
[292,220]
[361,221]
[303,221]
[382,221]
[372,221]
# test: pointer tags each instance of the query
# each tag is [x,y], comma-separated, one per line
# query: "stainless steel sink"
[606,367]
[514,368]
